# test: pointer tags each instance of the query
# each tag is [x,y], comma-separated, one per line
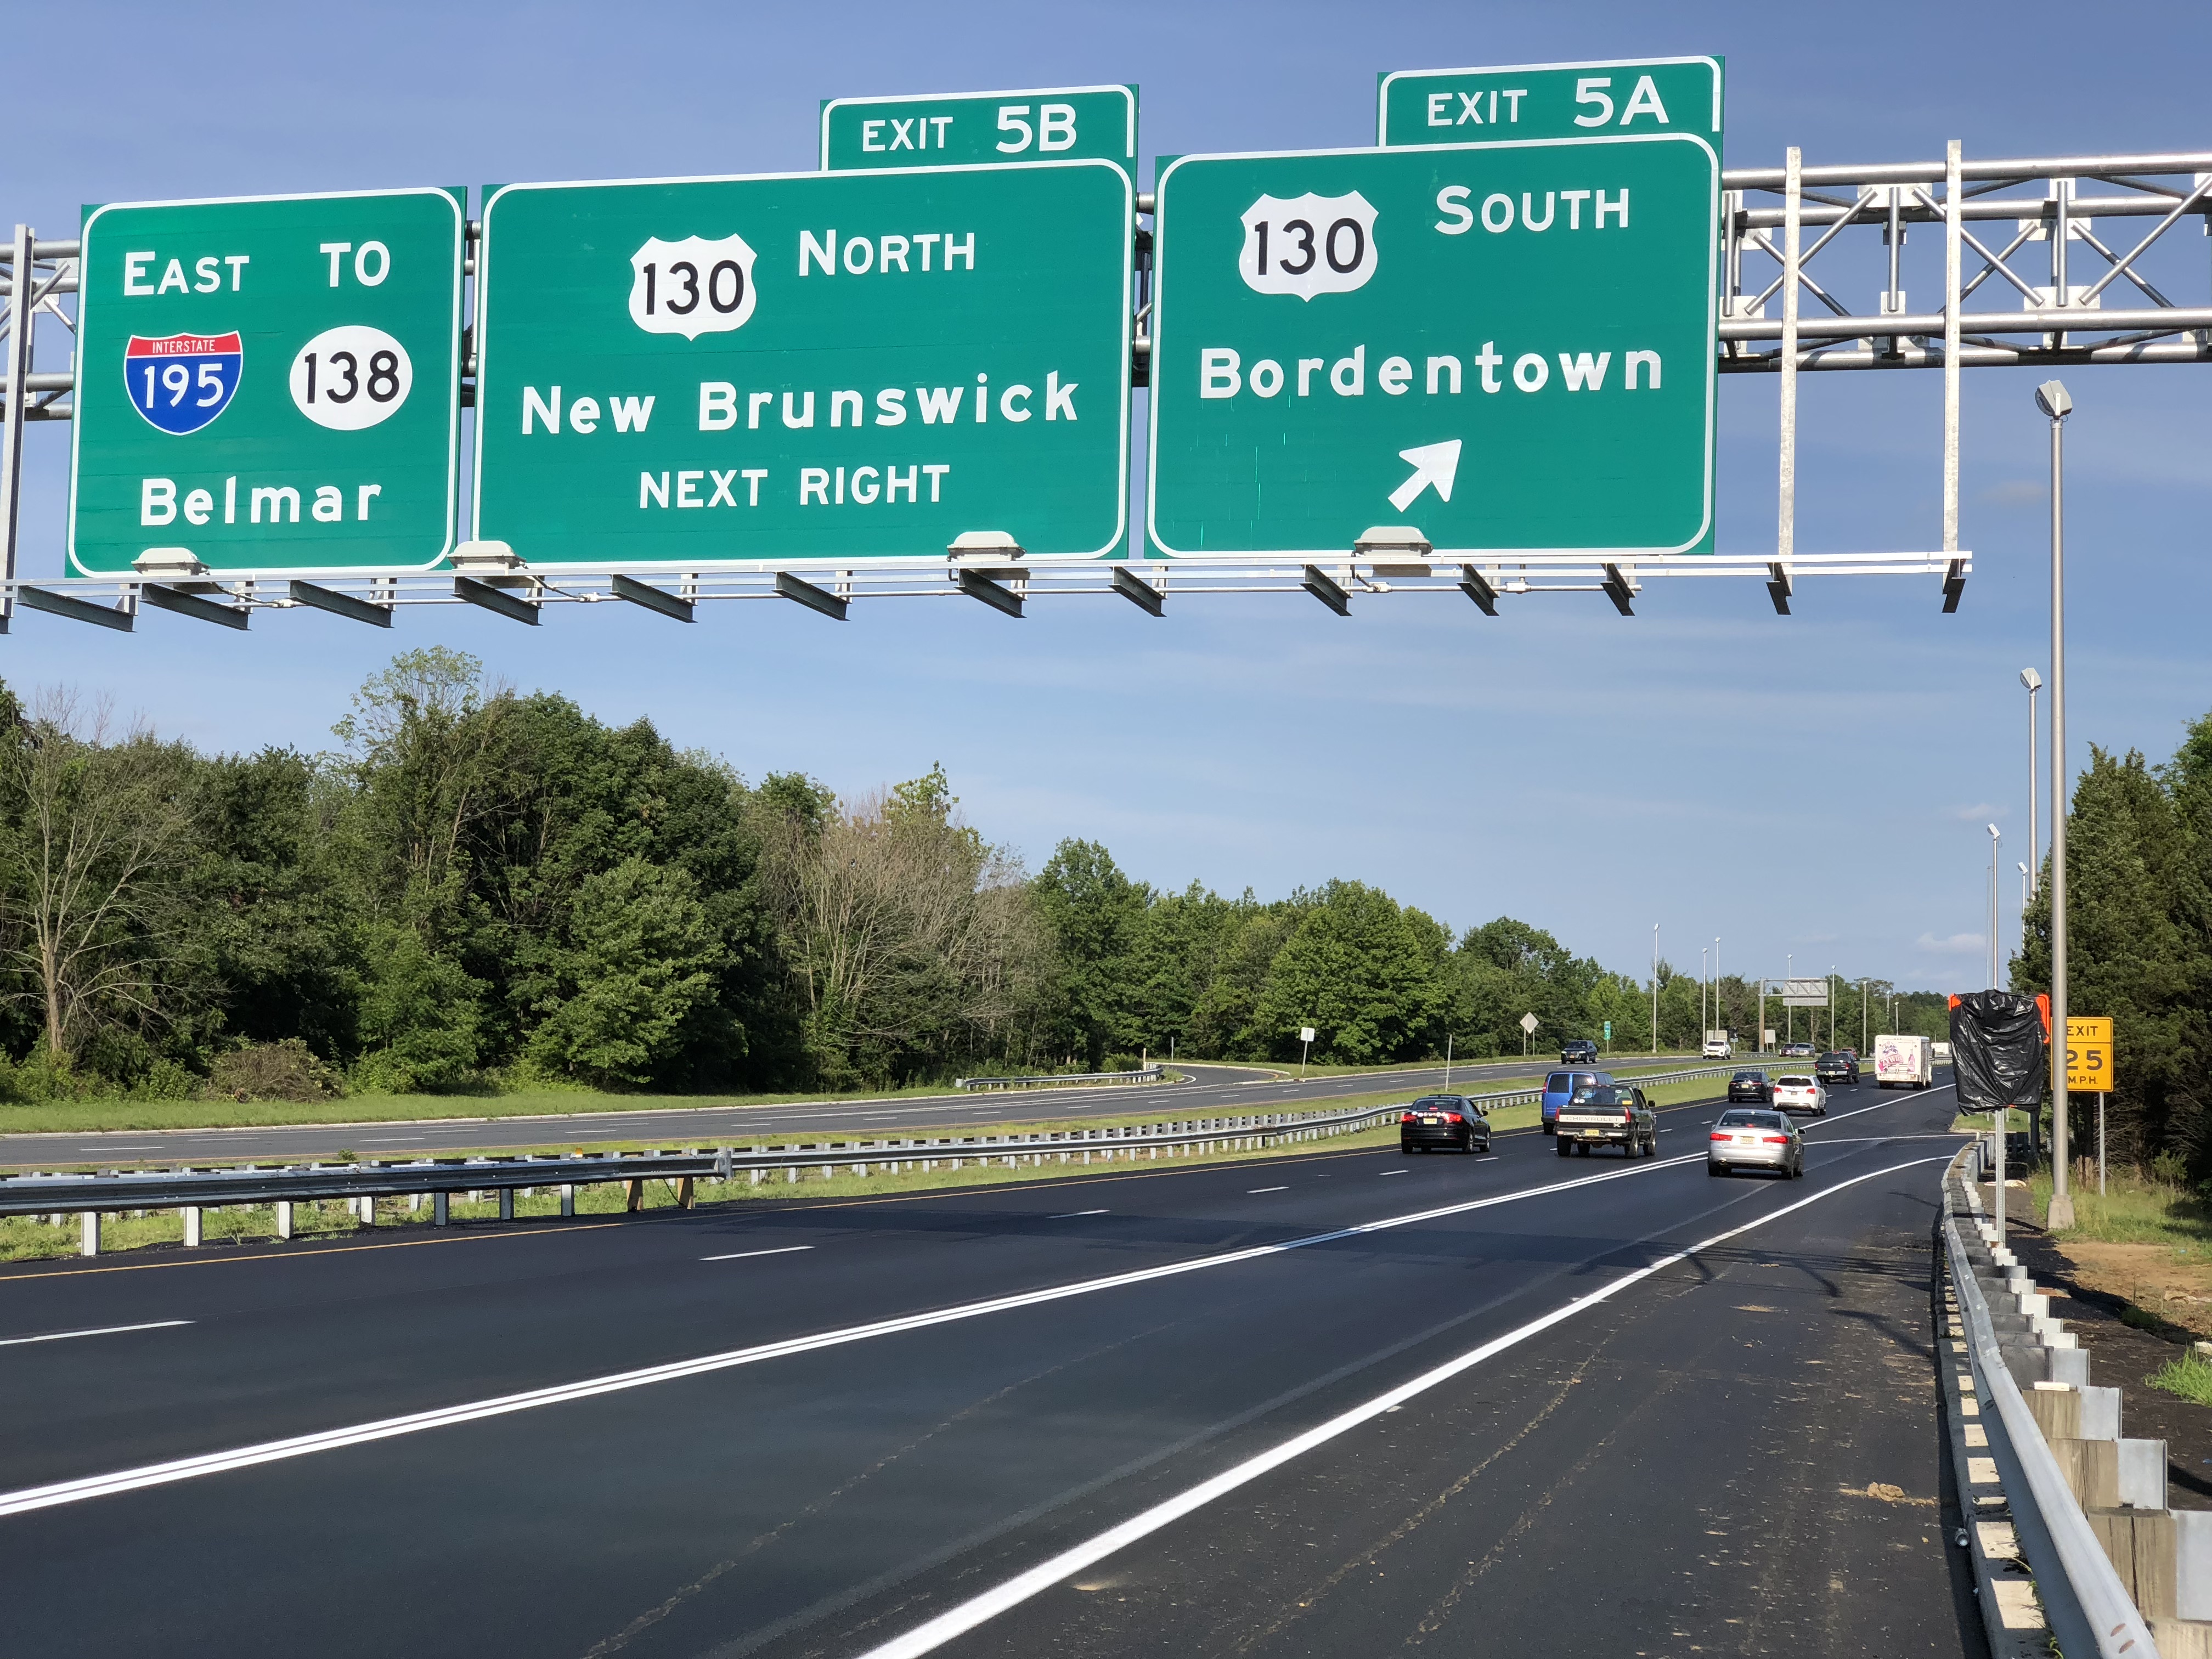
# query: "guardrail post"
[191,1213]
[568,1198]
[507,1204]
[441,1213]
[636,1201]
[684,1193]
[284,1218]
[88,1233]
[365,1208]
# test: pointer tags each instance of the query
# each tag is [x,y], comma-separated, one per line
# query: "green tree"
[1366,973]
[641,962]
[1091,914]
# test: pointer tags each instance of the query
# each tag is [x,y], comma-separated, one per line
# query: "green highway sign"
[269,385]
[1551,101]
[817,367]
[1507,346]
[977,128]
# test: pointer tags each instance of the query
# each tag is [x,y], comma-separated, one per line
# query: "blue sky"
[1814,787]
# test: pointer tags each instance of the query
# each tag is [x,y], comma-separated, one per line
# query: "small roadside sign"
[1305,1034]
[971,129]
[1529,1023]
[1551,101]
[2089,1056]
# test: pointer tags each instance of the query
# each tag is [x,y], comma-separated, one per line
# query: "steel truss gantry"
[1991,213]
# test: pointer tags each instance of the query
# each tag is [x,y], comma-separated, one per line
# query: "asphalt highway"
[1213,1089]
[1342,1402]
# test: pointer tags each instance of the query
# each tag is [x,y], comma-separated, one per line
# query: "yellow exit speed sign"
[2089,1056]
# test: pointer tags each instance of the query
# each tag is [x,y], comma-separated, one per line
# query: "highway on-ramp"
[1345,1402]
[1210,1088]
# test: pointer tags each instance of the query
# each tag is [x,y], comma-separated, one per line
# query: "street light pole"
[2052,398]
[1701,993]
[1655,988]
[1994,839]
[2033,682]
[1717,1015]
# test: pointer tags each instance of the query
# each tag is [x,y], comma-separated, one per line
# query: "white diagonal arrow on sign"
[1433,463]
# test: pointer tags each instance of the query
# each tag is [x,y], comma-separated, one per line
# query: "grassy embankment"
[24,1238]
[2147,1240]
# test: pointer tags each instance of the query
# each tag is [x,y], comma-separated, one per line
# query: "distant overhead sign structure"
[268,385]
[978,128]
[1488,347]
[1551,101]
[807,368]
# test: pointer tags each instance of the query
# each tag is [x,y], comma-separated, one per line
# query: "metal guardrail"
[2088,1608]
[1145,1074]
[193,1190]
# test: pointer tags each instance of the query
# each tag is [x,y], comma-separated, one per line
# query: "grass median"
[893,1170]
[140,1116]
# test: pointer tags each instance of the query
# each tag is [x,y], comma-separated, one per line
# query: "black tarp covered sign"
[1997,1041]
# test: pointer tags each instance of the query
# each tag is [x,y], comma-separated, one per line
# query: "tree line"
[482,889]
[2139,946]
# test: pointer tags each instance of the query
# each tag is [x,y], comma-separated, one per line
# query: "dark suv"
[1578,1051]
[1750,1084]
[1842,1066]
[1450,1121]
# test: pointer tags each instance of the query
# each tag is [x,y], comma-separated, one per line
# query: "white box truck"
[1903,1062]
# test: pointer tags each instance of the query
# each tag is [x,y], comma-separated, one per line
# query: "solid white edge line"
[739,1255]
[28,1498]
[980,1610]
[103,1330]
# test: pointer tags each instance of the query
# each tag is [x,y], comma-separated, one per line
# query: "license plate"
[1432,1120]
[1593,1134]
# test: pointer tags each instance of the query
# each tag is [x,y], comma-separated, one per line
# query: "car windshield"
[1603,1095]
[1793,1081]
[1748,1077]
[1441,1103]
[1840,1059]
[1753,1120]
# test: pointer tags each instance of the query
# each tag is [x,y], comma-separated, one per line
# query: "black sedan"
[1838,1068]
[1448,1123]
[1751,1085]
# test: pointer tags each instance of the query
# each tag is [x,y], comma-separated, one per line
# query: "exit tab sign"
[968,129]
[1551,101]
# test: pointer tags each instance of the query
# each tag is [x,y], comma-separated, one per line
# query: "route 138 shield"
[181,382]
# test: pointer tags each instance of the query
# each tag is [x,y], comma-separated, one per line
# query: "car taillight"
[1718,1134]
[1454,1117]
[1776,1141]
[1629,1117]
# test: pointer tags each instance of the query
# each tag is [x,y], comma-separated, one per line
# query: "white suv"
[1718,1049]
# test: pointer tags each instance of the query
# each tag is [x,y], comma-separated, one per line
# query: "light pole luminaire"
[2053,399]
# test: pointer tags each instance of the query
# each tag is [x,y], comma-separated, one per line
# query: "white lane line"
[1488,1157]
[1249,1191]
[980,1610]
[25,1499]
[102,1330]
[1392,1172]
[1070,1215]
[740,1255]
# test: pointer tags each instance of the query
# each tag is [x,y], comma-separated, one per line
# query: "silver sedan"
[1743,1139]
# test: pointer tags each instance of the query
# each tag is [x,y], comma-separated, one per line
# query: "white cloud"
[1980,808]
[1955,945]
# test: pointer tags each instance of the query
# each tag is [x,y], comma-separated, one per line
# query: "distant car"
[1559,1088]
[1719,1048]
[1798,1051]
[1796,1092]
[1609,1115]
[1578,1051]
[1750,1084]
[1754,1141]
[1842,1066]
[1450,1122]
